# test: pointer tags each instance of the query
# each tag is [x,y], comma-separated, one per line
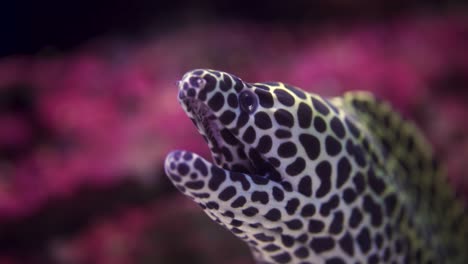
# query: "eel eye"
[197,82]
[248,101]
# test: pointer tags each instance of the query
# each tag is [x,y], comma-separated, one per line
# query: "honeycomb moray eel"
[307,179]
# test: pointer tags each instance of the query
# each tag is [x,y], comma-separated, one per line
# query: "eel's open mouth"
[227,150]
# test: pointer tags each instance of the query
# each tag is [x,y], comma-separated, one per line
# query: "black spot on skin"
[287,149]
[308,210]
[200,166]
[262,120]
[195,185]
[273,215]
[328,206]
[337,127]
[376,184]
[236,223]
[388,231]
[349,195]
[332,146]
[320,107]
[378,240]
[335,260]
[374,259]
[347,244]
[238,84]
[234,230]
[398,246]
[287,240]
[284,118]
[216,102]
[239,167]
[227,193]
[359,156]
[270,248]
[242,119]
[282,133]
[323,171]
[336,225]
[319,124]
[227,117]
[355,218]
[191,92]
[217,178]
[264,144]
[258,180]
[315,226]
[359,183]
[265,87]
[296,91]
[250,211]
[386,255]
[278,194]
[296,167]
[210,83]
[252,242]
[226,84]
[294,224]
[216,73]
[349,147]
[304,115]
[284,97]
[228,137]
[238,177]
[390,204]
[286,186]
[284,257]
[301,252]
[249,135]
[260,196]
[265,98]
[311,145]
[373,209]
[198,72]
[344,171]
[227,154]
[187,156]
[363,240]
[305,186]
[175,177]
[292,205]
[202,95]
[212,205]
[322,244]
[303,238]
[239,202]
[182,169]
[264,238]
[274,161]
[232,100]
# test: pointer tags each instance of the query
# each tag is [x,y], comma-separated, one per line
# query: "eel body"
[307,179]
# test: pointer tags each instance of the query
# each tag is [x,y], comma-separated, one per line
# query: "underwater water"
[83,134]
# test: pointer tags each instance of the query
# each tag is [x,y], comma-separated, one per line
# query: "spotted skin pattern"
[306,179]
